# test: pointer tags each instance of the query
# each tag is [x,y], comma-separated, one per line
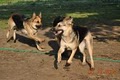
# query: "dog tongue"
[58,32]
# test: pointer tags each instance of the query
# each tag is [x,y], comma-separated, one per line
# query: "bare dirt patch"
[37,66]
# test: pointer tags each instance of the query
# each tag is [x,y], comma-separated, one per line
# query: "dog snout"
[39,26]
[52,29]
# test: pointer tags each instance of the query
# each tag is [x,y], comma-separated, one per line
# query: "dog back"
[18,19]
[81,32]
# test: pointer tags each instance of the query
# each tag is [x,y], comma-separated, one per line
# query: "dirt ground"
[37,66]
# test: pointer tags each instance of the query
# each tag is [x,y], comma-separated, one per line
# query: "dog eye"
[58,25]
[37,21]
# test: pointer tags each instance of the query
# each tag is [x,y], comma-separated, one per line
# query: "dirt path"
[36,66]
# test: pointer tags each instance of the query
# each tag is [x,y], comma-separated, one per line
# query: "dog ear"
[40,15]
[34,15]
[68,20]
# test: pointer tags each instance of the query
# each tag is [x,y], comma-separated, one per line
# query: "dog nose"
[52,29]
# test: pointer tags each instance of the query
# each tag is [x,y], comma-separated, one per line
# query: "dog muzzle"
[58,32]
[38,26]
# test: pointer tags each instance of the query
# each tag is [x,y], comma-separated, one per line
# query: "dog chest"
[69,46]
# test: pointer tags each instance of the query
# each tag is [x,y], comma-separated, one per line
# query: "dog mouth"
[58,32]
[38,26]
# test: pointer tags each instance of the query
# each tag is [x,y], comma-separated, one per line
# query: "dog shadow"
[54,45]
[23,40]
[26,40]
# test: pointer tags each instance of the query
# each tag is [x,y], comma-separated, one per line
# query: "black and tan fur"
[17,22]
[73,37]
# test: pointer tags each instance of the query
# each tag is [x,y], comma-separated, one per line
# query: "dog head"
[64,25]
[36,20]
[57,20]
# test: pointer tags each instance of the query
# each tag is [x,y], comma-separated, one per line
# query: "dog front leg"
[38,47]
[60,51]
[36,38]
[71,56]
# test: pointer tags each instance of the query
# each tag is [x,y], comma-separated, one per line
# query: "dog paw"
[92,69]
[83,63]
[67,67]
[59,61]
[67,64]
[42,40]
[40,48]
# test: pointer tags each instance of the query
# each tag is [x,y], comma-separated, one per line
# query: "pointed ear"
[34,15]
[69,20]
[40,15]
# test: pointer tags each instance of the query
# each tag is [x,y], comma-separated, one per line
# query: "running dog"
[18,22]
[73,37]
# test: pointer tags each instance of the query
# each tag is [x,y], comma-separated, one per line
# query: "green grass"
[82,12]
[3,24]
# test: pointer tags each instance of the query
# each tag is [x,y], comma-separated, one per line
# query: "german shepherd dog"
[73,37]
[29,27]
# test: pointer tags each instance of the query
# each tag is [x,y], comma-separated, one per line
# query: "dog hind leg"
[90,49]
[11,26]
[9,30]
[8,33]
[14,35]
